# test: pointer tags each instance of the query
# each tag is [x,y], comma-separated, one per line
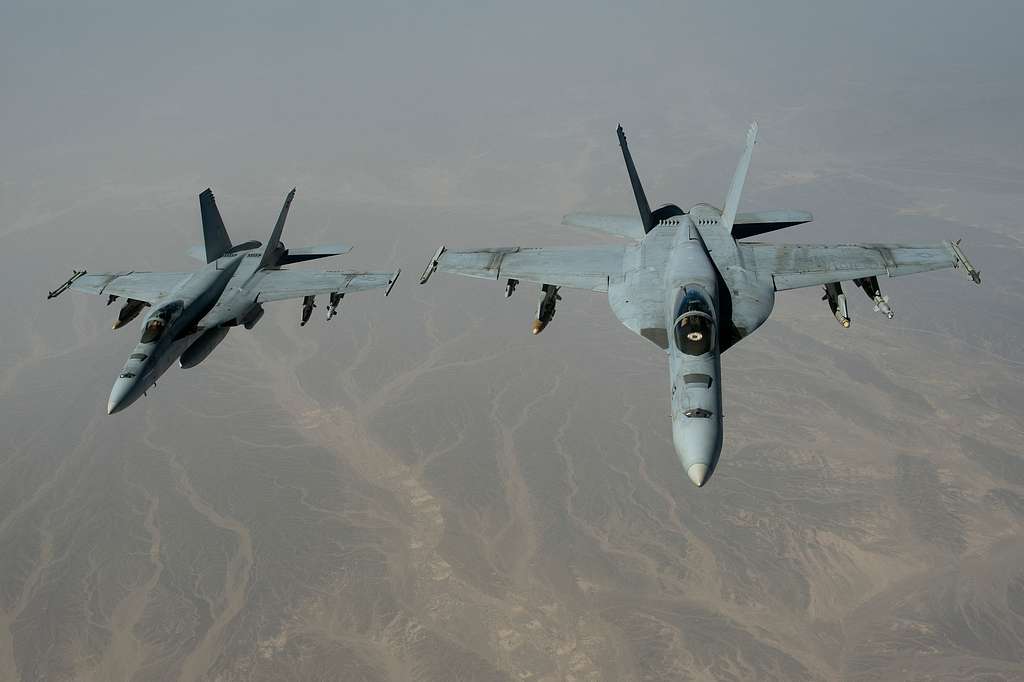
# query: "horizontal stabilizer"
[305,253]
[618,225]
[751,224]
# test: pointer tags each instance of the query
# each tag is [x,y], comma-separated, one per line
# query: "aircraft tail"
[215,236]
[732,199]
[638,189]
[272,247]
[648,218]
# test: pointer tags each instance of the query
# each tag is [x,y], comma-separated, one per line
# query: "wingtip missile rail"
[394,278]
[432,265]
[66,285]
[961,259]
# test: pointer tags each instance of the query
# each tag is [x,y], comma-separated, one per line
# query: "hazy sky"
[100,92]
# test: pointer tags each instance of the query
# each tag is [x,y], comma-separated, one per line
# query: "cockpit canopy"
[694,328]
[159,320]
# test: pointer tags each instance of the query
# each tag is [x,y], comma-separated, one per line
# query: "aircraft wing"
[278,285]
[793,266]
[142,286]
[583,267]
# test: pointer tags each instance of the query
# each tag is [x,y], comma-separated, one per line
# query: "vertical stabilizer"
[732,199]
[215,237]
[638,190]
[271,248]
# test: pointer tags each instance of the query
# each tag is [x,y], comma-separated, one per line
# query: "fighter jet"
[687,282]
[192,312]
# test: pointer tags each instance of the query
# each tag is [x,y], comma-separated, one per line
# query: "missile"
[961,259]
[510,287]
[308,303]
[332,307]
[837,303]
[75,274]
[871,289]
[549,298]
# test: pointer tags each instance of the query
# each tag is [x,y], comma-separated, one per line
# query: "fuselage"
[675,295]
[692,320]
[220,294]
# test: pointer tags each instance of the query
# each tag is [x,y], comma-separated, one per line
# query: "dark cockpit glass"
[159,321]
[694,328]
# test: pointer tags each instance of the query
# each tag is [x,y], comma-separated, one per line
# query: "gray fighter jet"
[192,312]
[687,283]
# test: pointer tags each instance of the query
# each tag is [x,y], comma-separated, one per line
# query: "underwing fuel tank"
[837,303]
[254,315]
[549,298]
[128,312]
[202,347]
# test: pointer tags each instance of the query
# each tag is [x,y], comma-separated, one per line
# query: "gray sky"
[101,92]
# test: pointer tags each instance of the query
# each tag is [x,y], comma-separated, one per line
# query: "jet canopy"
[159,320]
[694,328]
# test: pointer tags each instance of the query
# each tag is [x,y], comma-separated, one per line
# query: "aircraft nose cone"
[698,442]
[698,473]
[119,396]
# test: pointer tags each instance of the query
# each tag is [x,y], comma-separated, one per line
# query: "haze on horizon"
[422,490]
